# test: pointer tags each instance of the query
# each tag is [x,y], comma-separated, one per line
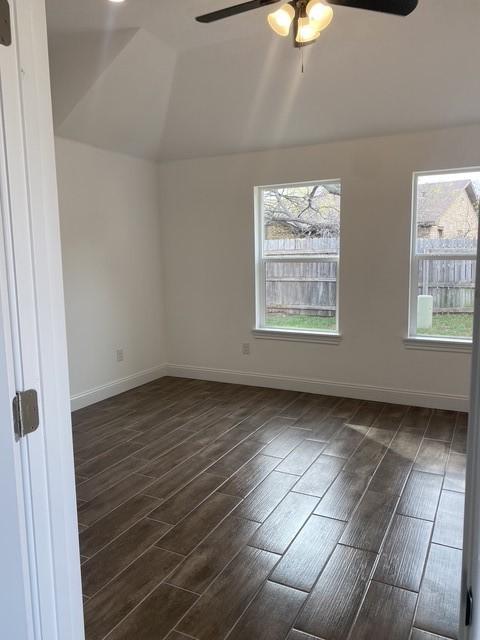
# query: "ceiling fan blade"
[397,7]
[235,10]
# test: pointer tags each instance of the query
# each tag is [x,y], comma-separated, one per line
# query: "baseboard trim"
[328,387]
[104,391]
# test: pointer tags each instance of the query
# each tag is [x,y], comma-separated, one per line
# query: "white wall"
[208,247]
[110,224]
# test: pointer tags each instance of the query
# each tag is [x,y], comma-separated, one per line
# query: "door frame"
[34,349]
[471,539]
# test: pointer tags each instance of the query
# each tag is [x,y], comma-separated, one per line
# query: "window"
[444,252]
[298,247]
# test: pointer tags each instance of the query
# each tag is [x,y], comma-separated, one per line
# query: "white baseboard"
[85,398]
[327,387]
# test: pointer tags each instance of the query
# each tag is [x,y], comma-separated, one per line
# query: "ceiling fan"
[308,17]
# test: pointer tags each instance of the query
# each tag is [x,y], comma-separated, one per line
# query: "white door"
[471,554]
[40,592]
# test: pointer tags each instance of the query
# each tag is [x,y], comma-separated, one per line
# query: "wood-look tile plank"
[210,557]
[346,441]
[252,423]
[438,608]
[178,477]
[407,444]
[297,408]
[367,414]
[185,536]
[180,504]
[416,418]
[96,447]
[105,610]
[320,476]
[161,446]
[236,458]
[327,429]
[459,442]
[418,634]
[420,496]
[346,408]
[283,524]
[108,459]
[175,635]
[222,445]
[404,553]
[312,417]
[107,501]
[370,521]
[301,565]
[299,635]
[160,466]
[325,614]
[115,523]
[224,601]
[391,474]
[455,474]
[92,487]
[370,452]
[390,417]
[270,615]
[250,476]
[271,429]
[156,615]
[283,444]
[432,456]
[298,461]
[115,557]
[263,500]
[387,612]
[441,425]
[448,529]
[343,496]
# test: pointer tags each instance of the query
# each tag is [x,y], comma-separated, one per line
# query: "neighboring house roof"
[434,199]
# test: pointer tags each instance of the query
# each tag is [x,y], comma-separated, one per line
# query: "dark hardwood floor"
[209,510]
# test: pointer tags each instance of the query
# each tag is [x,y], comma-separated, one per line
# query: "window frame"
[260,329]
[413,339]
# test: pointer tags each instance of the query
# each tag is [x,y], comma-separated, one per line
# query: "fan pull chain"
[303,66]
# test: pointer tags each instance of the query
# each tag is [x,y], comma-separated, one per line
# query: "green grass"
[316,323]
[453,325]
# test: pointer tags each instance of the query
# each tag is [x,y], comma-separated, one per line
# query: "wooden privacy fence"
[310,288]
[451,282]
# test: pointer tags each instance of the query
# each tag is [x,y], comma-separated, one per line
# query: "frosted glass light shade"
[319,13]
[281,20]
[307,31]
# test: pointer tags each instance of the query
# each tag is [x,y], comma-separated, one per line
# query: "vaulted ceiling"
[143,78]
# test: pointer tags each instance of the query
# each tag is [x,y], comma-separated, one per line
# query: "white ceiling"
[144,78]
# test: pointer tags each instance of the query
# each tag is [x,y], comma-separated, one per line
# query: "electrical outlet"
[120,355]
[246,348]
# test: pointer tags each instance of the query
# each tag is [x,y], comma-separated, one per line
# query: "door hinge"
[5,24]
[25,413]
[468,607]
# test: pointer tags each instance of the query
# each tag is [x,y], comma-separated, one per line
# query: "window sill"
[438,344]
[297,336]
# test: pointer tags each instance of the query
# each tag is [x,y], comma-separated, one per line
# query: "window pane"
[302,220]
[446,290]
[301,295]
[447,212]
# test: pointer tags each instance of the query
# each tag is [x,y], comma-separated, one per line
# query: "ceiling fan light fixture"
[281,20]
[319,13]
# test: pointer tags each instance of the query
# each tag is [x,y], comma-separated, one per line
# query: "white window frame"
[413,340]
[260,330]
